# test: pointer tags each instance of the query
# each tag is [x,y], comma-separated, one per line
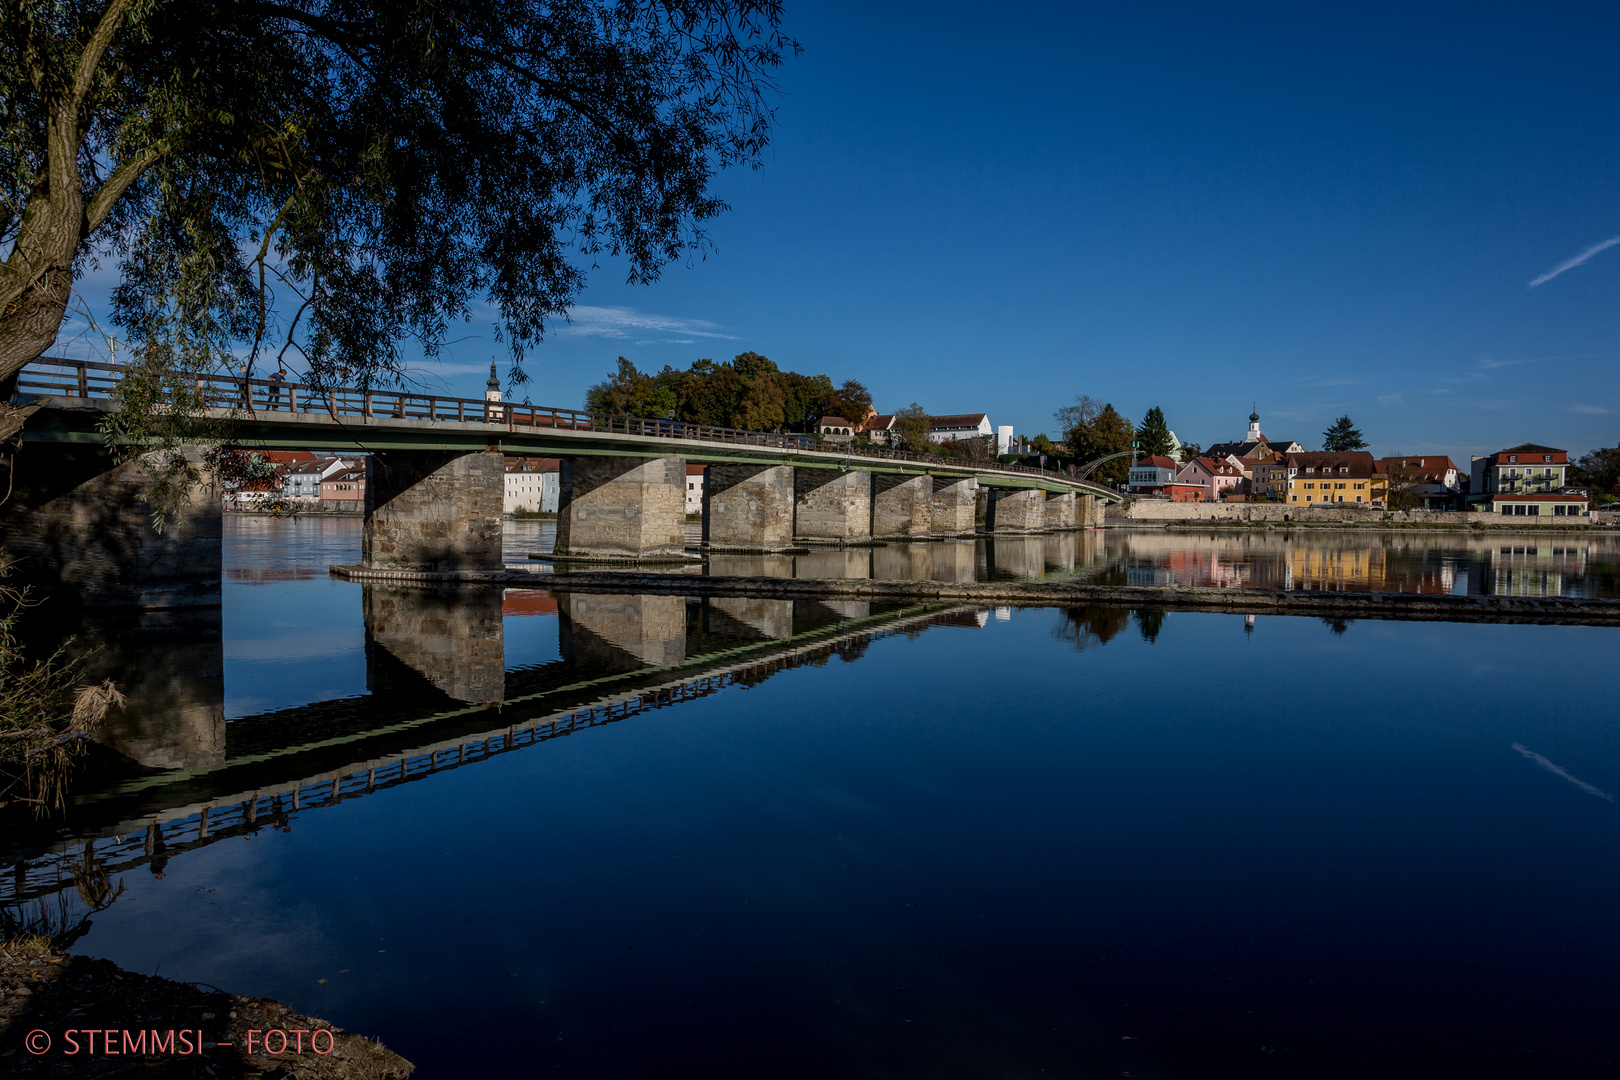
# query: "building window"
[1358,497]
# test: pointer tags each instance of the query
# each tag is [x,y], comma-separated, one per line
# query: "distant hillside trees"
[749,391]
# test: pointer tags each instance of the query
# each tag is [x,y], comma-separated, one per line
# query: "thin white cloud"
[628,324]
[1392,399]
[1570,264]
[1493,363]
[1594,410]
[1312,381]
[1556,771]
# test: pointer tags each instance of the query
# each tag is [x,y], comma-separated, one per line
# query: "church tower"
[493,391]
[1254,429]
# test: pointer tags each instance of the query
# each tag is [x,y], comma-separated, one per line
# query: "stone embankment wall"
[1155,511]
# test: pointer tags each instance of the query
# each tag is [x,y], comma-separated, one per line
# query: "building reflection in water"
[1559,565]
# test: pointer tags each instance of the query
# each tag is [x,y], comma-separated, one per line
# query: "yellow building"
[1348,476]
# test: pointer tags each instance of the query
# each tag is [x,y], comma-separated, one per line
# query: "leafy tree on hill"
[1154,433]
[1095,430]
[630,393]
[1190,450]
[1598,471]
[911,429]
[851,400]
[1343,435]
[749,392]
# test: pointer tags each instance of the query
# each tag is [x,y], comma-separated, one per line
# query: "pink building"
[1216,477]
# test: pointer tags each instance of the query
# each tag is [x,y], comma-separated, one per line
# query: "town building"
[959,426]
[1527,480]
[879,426]
[1217,478]
[835,429]
[303,479]
[345,489]
[1005,440]
[695,479]
[1254,446]
[1332,476]
[1438,484]
[532,485]
[1178,492]
[1149,475]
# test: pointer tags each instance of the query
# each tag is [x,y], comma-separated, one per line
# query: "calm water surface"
[820,840]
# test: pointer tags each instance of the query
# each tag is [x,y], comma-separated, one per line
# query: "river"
[572,834]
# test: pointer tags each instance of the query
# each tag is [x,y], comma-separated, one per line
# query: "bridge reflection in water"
[171,775]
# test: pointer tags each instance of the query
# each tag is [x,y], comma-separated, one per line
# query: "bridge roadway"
[278,765]
[435,484]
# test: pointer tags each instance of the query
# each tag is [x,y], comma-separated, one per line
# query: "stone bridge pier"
[433,510]
[902,505]
[1016,510]
[1060,511]
[78,526]
[748,507]
[748,618]
[830,504]
[625,507]
[953,509]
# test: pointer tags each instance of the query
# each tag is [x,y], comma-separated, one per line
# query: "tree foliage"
[749,392]
[1154,434]
[1598,471]
[911,429]
[1093,430]
[1191,450]
[1403,487]
[322,181]
[1343,435]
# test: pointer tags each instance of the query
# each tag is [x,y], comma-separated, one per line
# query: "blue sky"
[1313,210]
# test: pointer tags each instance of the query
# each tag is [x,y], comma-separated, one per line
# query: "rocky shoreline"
[63,1015]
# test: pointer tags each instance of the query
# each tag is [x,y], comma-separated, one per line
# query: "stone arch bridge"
[76,521]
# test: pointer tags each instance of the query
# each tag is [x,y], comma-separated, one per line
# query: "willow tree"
[325,181]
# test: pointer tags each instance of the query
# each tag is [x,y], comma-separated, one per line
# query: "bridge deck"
[73,397]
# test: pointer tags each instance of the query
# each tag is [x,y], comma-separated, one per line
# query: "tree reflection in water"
[1088,627]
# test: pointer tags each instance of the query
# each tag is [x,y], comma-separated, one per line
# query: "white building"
[959,426]
[694,488]
[303,480]
[532,484]
[1004,438]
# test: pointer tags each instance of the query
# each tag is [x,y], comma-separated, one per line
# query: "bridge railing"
[60,377]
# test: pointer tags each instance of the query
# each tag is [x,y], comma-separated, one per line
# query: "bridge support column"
[1060,511]
[753,620]
[433,510]
[1016,510]
[748,506]
[1089,511]
[954,505]
[902,505]
[621,506]
[832,505]
[77,526]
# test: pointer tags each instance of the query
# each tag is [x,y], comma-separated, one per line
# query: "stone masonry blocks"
[1017,510]
[433,510]
[1060,511]
[748,506]
[77,526]
[902,505]
[624,506]
[832,505]
[954,504]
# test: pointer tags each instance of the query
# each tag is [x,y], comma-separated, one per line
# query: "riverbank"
[1151,512]
[1360,605]
[52,1001]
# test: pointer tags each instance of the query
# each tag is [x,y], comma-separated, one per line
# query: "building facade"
[1340,476]
[1150,475]
[532,485]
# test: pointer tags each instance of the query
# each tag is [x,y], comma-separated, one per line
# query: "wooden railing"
[60,377]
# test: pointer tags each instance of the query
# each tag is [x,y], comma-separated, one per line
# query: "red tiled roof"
[1157,461]
[1559,457]
[957,420]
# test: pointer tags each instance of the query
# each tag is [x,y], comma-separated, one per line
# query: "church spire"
[493,393]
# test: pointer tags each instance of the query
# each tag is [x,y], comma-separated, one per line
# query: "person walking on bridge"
[277,381]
